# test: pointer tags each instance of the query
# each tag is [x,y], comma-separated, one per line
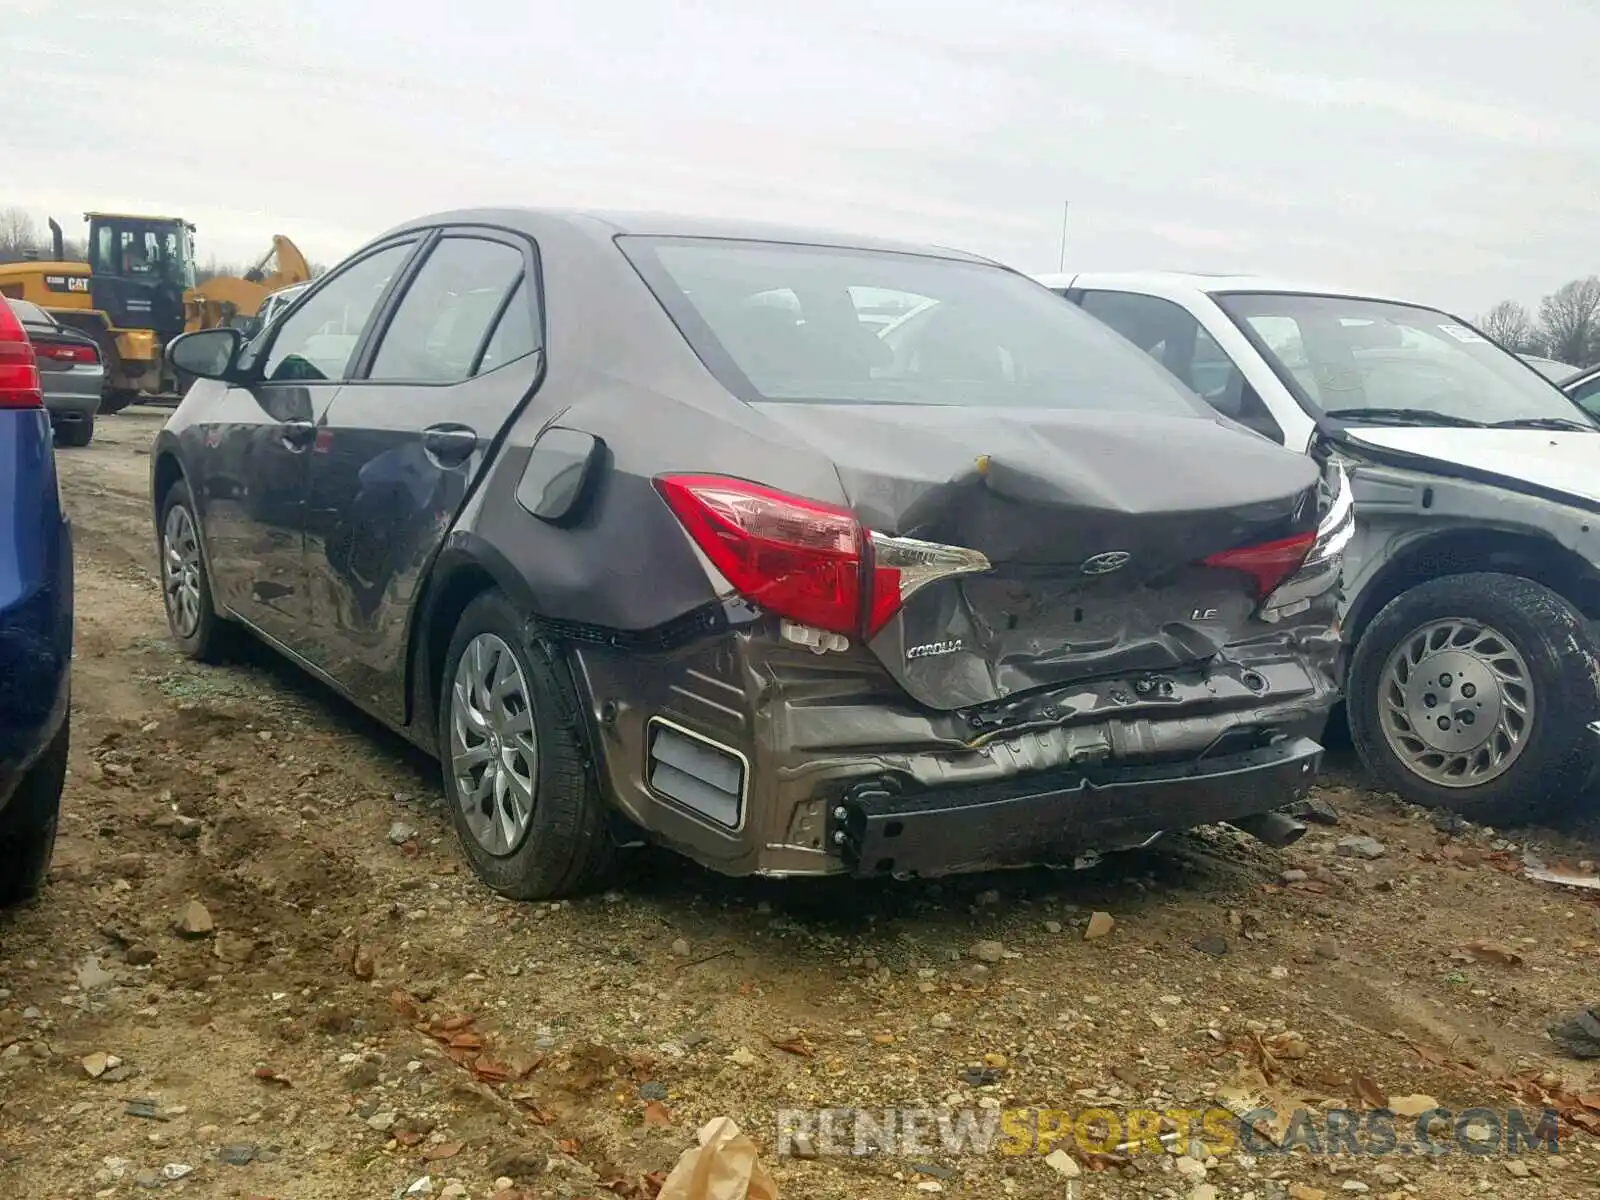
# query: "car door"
[258,439]
[403,442]
[1176,339]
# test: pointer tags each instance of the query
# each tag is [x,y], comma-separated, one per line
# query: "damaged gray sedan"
[798,555]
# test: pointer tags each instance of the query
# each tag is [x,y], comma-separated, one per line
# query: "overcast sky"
[1446,151]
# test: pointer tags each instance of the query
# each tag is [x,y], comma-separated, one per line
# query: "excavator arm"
[219,300]
[292,265]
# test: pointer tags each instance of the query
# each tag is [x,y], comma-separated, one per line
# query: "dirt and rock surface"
[260,970]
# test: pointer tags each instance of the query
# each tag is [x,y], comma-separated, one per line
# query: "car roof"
[1174,284]
[605,224]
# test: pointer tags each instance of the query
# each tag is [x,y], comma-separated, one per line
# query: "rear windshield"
[806,324]
[29,313]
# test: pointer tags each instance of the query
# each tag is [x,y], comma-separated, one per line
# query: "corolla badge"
[1104,564]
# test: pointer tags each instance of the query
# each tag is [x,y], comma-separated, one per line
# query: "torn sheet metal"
[1096,525]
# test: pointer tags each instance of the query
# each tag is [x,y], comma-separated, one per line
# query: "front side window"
[1587,394]
[1174,337]
[444,321]
[316,342]
[1376,362]
[784,323]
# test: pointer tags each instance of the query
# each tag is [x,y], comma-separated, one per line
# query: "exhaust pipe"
[58,245]
[1273,828]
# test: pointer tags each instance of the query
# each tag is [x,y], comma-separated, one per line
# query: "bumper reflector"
[696,773]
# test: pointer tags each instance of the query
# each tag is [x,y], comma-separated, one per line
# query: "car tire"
[1437,656]
[185,583]
[28,823]
[76,433]
[562,845]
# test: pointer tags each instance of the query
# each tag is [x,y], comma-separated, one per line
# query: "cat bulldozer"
[137,292]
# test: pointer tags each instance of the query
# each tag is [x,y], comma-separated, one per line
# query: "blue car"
[35,623]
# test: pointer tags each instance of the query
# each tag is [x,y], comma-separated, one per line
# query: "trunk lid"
[1095,524]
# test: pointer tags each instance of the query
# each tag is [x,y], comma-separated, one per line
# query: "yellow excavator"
[223,299]
[137,292]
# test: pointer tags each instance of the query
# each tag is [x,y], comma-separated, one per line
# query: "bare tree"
[1510,324]
[1570,320]
[17,234]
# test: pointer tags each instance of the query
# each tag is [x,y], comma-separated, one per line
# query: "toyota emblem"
[1104,564]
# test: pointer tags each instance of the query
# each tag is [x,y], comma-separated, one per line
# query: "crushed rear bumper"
[882,829]
[738,751]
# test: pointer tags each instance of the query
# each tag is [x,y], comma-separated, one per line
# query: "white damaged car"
[1472,577]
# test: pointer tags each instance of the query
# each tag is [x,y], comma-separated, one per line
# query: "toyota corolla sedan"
[798,554]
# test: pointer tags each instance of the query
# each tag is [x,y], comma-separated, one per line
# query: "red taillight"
[800,559]
[62,352]
[19,370]
[1270,563]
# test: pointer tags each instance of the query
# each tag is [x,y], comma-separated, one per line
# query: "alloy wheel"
[180,570]
[1456,703]
[494,748]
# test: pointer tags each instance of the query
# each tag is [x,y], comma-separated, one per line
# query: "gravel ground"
[261,970]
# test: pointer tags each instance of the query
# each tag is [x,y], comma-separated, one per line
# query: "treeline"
[21,239]
[1565,326]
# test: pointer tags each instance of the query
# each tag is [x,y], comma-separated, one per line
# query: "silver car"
[71,372]
[277,302]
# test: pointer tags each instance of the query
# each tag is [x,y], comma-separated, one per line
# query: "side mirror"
[208,353]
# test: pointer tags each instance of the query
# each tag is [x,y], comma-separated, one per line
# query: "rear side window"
[317,342]
[801,324]
[451,315]
[513,336]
